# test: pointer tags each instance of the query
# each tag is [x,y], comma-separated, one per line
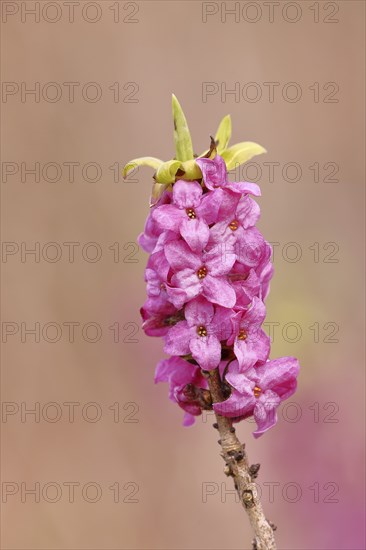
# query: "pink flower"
[215,176]
[236,225]
[158,315]
[265,271]
[200,273]
[148,239]
[207,278]
[189,214]
[181,374]
[259,391]
[249,281]
[250,247]
[251,344]
[233,222]
[200,333]
[246,284]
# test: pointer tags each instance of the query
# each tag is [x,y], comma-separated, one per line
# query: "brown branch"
[237,466]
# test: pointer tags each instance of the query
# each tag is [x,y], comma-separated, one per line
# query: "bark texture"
[237,466]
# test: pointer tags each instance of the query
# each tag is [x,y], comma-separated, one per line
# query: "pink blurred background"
[141,480]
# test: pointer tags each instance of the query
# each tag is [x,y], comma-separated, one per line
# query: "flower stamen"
[234,225]
[257,391]
[191,213]
[202,331]
[242,334]
[202,272]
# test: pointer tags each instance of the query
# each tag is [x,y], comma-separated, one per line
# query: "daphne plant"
[207,278]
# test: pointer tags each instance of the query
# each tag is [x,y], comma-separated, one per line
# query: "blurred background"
[93,453]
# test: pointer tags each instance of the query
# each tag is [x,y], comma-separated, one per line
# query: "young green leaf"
[182,136]
[240,153]
[167,171]
[191,171]
[157,190]
[223,134]
[143,161]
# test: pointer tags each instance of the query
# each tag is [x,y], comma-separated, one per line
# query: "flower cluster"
[207,279]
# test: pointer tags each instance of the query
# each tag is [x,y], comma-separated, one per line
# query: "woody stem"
[237,466]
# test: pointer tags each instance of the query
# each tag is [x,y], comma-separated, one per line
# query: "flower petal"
[213,171]
[235,406]
[244,187]
[159,264]
[163,371]
[220,233]
[164,238]
[228,205]
[246,357]
[177,296]
[246,289]
[235,326]
[255,315]
[188,281]
[158,305]
[219,291]
[265,413]
[176,368]
[261,342]
[220,258]
[168,217]
[243,382]
[279,375]
[153,326]
[147,242]
[255,348]
[147,239]
[196,233]
[177,339]
[206,351]
[199,312]
[210,205]
[247,212]
[251,247]
[187,194]
[180,256]
[265,271]
[188,420]
[221,323]
[153,282]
